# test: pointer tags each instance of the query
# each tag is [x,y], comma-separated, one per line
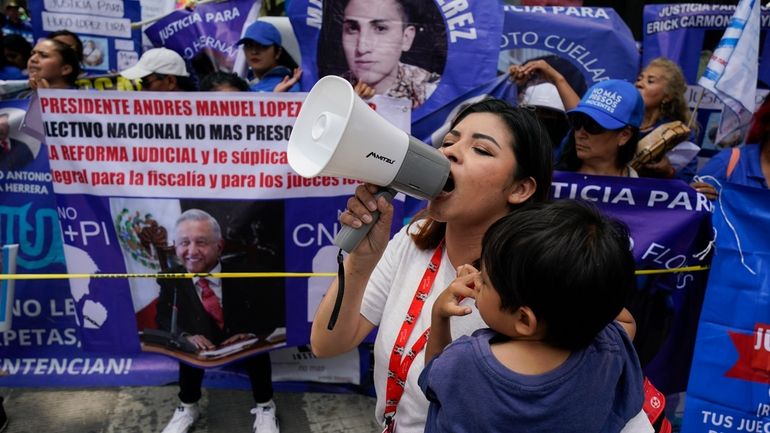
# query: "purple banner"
[670,225]
[688,34]
[211,30]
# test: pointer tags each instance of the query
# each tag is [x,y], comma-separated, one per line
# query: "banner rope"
[259,274]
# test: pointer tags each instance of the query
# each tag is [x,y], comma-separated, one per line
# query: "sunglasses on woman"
[577,121]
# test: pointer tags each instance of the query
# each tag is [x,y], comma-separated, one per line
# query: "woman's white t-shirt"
[386,301]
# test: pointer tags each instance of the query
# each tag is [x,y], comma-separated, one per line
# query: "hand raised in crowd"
[364,90]
[287,81]
[534,69]
[38,83]
[660,169]
[201,342]
[706,189]
[464,286]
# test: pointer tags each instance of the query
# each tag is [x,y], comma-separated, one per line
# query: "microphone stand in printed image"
[8,265]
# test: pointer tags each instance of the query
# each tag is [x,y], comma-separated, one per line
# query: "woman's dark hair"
[78,43]
[531,148]
[17,44]
[760,126]
[564,260]
[69,57]
[214,79]
[569,161]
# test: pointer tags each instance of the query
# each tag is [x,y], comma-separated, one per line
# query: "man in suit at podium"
[218,311]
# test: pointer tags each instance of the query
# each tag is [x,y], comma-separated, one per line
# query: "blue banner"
[210,28]
[594,41]
[104,27]
[728,389]
[445,50]
[670,226]
[688,34]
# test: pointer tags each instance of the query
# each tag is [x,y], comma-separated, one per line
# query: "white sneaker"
[265,421]
[184,417]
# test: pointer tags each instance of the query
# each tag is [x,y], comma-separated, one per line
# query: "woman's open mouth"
[449,186]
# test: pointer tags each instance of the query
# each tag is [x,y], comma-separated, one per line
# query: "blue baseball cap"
[262,33]
[612,104]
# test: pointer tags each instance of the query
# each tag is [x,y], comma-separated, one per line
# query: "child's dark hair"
[567,262]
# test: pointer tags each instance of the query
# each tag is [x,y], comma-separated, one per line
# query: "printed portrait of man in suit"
[14,154]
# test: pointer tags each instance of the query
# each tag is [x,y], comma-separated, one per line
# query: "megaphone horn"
[338,134]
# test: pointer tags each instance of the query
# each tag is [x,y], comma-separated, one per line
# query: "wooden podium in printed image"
[8,265]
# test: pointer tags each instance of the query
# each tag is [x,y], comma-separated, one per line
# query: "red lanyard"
[399,364]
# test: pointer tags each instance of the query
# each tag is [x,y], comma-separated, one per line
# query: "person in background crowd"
[545,100]
[552,357]
[218,311]
[270,65]
[11,70]
[663,87]
[745,165]
[53,65]
[375,33]
[16,22]
[71,39]
[223,82]
[500,159]
[161,70]
[17,51]
[605,130]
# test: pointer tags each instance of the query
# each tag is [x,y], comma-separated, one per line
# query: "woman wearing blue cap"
[605,130]
[270,65]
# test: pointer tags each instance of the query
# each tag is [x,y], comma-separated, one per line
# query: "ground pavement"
[147,409]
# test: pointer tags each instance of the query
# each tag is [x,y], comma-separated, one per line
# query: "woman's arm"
[351,327]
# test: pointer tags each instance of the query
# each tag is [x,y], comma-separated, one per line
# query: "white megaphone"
[338,134]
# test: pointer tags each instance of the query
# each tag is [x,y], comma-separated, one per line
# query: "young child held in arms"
[557,356]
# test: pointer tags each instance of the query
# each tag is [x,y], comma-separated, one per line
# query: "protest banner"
[448,48]
[43,346]
[594,41]
[104,27]
[729,383]
[670,225]
[210,30]
[125,165]
[688,33]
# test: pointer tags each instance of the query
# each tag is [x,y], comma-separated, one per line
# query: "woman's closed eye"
[482,151]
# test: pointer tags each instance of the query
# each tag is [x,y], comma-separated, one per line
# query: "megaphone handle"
[348,237]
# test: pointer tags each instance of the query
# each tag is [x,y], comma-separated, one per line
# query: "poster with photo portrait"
[438,55]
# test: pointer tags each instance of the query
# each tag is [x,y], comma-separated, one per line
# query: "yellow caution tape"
[260,274]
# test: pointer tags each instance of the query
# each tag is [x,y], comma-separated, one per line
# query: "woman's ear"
[522,190]
[526,322]
[278,52]
[625,135]
[66,70]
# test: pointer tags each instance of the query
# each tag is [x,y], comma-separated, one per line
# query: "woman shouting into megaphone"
[500,159]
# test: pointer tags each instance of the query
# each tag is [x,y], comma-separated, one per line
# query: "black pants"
[257,367]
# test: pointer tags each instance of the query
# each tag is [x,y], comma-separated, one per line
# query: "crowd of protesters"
[520,338]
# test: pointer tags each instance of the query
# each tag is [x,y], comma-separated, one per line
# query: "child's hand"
[448,302]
